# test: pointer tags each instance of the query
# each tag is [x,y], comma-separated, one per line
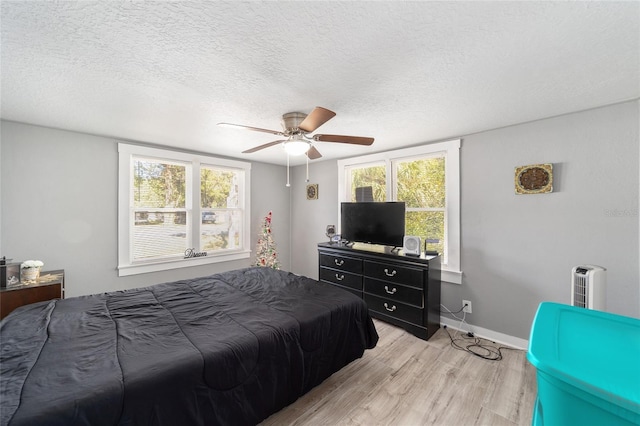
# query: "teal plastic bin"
[588,366]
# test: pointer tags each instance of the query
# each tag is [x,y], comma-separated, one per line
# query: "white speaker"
[411,245]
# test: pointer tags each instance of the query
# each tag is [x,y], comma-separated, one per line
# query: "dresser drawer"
[394,292]
[343,263]
[394,309]
[342,278]
[394,273]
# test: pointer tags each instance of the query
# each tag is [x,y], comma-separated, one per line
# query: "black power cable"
[478,347]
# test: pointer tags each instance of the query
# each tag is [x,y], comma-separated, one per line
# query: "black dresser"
[402,290]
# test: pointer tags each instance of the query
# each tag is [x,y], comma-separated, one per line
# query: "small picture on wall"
[312,191]
[534,179]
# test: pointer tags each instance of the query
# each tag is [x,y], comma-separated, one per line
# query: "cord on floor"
[478,346]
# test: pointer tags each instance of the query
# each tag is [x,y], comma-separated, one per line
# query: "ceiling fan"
[297,127]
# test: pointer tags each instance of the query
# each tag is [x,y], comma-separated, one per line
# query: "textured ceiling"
[403,72]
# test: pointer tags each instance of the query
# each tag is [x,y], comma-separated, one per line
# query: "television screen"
[374,223]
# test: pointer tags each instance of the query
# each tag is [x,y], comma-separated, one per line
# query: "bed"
[227,349]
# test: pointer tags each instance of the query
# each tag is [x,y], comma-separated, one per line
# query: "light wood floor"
[407,381]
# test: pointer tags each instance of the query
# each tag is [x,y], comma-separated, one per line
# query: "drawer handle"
[392,291]
[389,274]
[339,277]
[390,309]
[339,262]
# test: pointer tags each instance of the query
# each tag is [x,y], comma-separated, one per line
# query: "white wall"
[59,205]
[309,218]
[518,250]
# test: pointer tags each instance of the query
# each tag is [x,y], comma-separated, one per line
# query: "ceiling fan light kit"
[296,145]
[297,127]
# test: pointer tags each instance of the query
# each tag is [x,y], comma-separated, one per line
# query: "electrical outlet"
[466,306]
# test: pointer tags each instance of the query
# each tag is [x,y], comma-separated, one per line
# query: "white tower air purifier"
[588,287]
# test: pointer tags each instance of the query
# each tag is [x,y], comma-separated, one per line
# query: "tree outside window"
[373,177]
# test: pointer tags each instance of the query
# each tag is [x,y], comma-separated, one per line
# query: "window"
[420,182]
[177,210]
[368,182]
[427,179]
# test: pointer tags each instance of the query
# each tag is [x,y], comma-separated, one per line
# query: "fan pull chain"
[307,168]
[288,184]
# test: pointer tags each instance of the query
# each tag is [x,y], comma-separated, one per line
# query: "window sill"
[126,270]
[453,277]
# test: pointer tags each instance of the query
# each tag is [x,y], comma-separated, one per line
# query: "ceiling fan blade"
[315,119]
[255,129]
[313,153]
[357,140]
[258,148]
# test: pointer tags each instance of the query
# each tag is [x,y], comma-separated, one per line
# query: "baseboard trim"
[485,333]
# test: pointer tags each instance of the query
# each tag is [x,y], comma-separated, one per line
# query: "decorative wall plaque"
[312,191]
[534,179]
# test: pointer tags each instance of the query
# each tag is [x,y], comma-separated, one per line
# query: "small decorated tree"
[266,254]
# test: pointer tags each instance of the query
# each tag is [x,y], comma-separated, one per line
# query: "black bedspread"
[228,349]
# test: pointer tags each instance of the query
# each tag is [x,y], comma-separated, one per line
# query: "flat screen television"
[373,223]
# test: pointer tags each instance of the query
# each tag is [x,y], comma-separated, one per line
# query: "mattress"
[230,348]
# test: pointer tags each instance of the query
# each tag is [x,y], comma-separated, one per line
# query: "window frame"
[126,215]
[451,271]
